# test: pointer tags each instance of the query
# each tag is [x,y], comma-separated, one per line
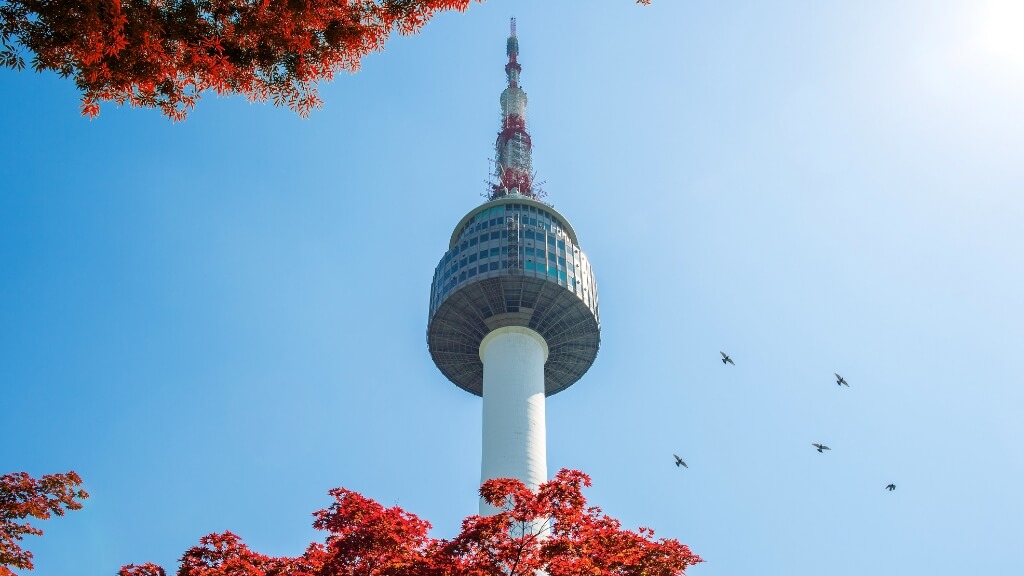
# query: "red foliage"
[22,496]
[551,530]
[147,569]
[365,538]
[555,531]
[165,53]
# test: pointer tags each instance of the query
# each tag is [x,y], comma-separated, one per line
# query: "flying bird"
[840,381]
[726,359]
[821,447]
[679,461]
[890,487]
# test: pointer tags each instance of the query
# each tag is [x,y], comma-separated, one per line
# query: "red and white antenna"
[513,161]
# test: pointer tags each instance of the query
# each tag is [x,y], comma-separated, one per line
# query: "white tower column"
[513,419]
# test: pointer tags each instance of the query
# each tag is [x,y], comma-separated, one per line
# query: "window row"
[574,284]
[447,268]
[527,235]
[575,278]
[527,215]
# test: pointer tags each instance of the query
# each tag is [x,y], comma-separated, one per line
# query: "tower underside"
[566,323]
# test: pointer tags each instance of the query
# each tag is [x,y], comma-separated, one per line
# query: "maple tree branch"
[21,497]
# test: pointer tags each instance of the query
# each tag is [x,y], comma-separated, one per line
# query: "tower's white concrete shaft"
[513,304]
[514,439]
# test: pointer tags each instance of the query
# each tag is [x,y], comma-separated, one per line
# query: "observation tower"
[513,304]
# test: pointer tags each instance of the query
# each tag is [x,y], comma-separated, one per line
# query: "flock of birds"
[840,381]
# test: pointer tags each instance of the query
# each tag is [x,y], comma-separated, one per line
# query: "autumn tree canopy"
[552,530]
[165,53]
[22,496]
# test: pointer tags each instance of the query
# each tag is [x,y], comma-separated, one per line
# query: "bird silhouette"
[726,359]
[821,447]
[840,381]
[679,461]
[890,487]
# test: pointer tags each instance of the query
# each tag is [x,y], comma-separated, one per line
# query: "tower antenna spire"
[513,162]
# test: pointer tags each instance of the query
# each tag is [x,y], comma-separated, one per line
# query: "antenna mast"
[513,162]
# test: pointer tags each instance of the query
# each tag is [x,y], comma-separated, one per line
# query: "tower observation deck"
[513,303]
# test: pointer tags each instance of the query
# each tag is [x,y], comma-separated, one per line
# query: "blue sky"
[214,322]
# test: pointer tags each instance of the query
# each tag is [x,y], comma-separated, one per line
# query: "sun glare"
[1000,36]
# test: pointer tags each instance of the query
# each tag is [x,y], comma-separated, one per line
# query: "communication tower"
[513,303]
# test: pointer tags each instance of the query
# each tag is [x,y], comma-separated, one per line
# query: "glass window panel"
[529,265]
[495,235]
[561,245]
[473,241]
[561,275]
[483,268]
[462,263]
[561,261]
[472,258]
[493,266]
[483,253]
[494,251]
[472,272]
[552,271]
